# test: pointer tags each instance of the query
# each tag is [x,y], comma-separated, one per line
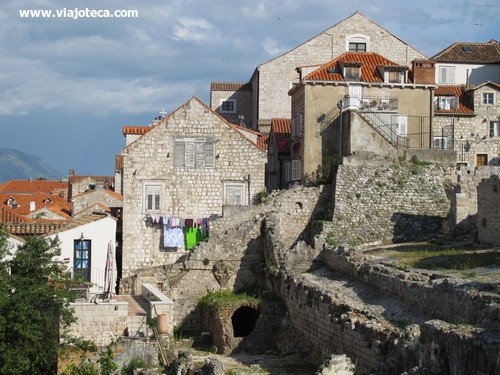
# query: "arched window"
[358,43]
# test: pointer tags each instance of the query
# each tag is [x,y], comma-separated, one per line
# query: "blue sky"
[68,86]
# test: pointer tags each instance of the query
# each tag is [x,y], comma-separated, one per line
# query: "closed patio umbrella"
[110,272]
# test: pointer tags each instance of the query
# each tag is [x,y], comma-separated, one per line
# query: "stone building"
[465,63]
[81,184]
[233,101]
[188,165]
[271,80]
[358,102]
[90,198]
[488,210]
[278,154]
[467,119]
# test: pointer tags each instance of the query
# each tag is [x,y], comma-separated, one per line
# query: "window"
[494,128]
[488,98]
[296,170]
[286,171]
[447,74]
[153,197]
[234,194]
[446,102]
[357,47]
[228,106]
[81,259]
[394,77]
[297,126]
[441,143]
[352,73]
[195,152]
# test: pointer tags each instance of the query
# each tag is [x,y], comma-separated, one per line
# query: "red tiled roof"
[281,128]
[34,186]
[369,62]
[7,215]
[470,52]
[229,86]
[136,130]
[465,105]
[57,204]
[263,141]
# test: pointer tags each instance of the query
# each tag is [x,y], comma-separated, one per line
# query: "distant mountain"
[18,165]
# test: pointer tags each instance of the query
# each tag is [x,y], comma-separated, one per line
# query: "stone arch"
[357,38]
[243,320]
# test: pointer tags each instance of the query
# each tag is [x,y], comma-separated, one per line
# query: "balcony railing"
[371,103]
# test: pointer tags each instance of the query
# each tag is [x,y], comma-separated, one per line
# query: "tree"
[33,307]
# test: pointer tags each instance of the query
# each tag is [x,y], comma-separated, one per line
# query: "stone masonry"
[185,192]
[388,200]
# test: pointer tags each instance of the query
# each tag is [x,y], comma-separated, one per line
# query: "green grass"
[451,259]
[224,297]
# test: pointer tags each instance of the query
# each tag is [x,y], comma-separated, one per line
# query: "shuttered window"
[296,170]
[234,195]
[196,153]
[153,197]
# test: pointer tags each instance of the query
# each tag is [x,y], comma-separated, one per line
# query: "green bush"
[134,364]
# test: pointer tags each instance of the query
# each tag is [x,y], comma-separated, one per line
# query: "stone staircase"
[138,311]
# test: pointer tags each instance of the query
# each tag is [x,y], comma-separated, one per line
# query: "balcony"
[379,104]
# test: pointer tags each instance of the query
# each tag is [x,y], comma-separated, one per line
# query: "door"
[355,96]
[81,263]
[481,160]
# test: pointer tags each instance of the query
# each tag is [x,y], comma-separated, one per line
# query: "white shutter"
[189,154]
[200,154]
[296,170]
[287,171]
[402,125]
[179,152]
[209,153]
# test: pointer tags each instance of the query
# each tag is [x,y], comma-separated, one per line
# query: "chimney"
[71,172]
[424,72]
[32,206]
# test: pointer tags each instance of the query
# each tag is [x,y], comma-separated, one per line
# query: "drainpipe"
[249,180]
[341,105]
[431,117]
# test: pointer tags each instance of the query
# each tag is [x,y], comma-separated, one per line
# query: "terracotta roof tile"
[33,186]
[369,62]
[136,130]
[263,141]
[53,202]
[282,129]
[8,215]
[229,86]
[470,52]
[465,105]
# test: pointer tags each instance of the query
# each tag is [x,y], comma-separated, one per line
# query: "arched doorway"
[244,320]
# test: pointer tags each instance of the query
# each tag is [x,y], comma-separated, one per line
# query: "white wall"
[100,232]
[477,73]
[12,244]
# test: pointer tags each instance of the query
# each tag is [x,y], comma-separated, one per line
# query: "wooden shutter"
[179,152]
[454,102]
[200,154]
[189,154]
[209,153]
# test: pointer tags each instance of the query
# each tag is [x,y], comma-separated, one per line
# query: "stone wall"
[465,197]
[447,299]
[101,323]
[388,200]
[277,76]
[85,200]
[185,192]
[488,210]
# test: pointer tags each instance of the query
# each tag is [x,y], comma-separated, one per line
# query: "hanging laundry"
[173,237]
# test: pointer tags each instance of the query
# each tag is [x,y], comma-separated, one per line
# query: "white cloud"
[192,29]
[271,46]
[256,13]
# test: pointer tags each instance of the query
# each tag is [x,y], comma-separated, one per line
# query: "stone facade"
[469,134]
[274,78]
[101,323]
[106,197]
[488,210]
[185,192]
[241,98]
[80,184]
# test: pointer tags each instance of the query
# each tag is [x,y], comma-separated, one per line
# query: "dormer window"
[394,76]
[351,71]
[11,202]
[446,102]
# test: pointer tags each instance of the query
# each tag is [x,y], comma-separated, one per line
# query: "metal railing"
[386,130]
[372,103]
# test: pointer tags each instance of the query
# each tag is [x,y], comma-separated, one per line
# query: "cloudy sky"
[68,86]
